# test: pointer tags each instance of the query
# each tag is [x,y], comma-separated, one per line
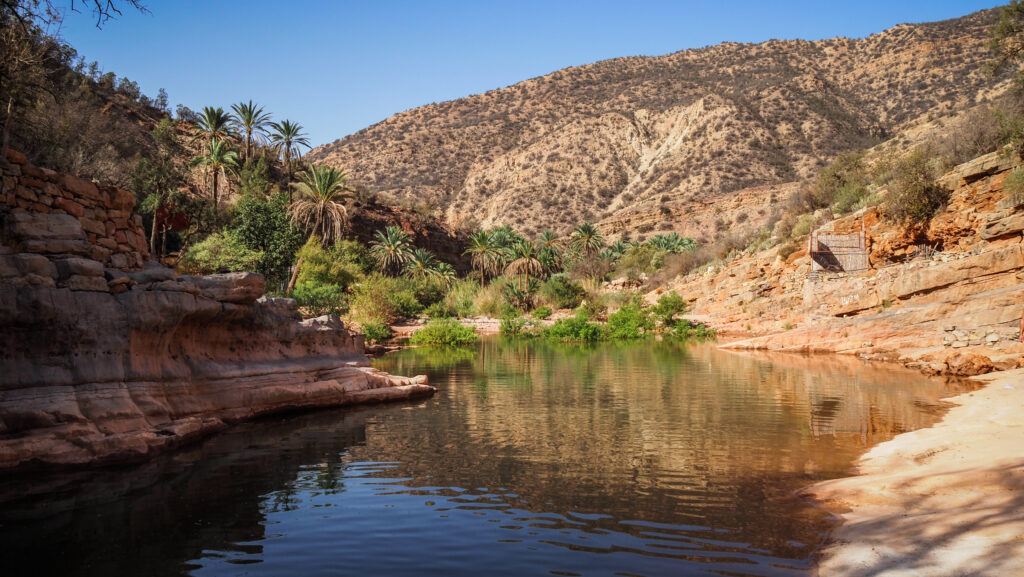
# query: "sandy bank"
[943,501]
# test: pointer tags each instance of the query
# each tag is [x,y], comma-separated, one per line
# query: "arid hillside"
[668,137]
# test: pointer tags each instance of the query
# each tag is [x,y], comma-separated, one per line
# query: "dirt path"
[944,501]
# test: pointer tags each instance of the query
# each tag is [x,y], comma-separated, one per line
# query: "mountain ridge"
[589,142]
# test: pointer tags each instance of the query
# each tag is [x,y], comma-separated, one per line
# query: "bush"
[444,332]
[325,267]
[669,305]
[460,297]
[1013,187]
[376,332]
[561,293]
[320,300]
[220,252]
[541,312]
[803,226]
[261,224]
[490,300]
[788,249]
[512,325]
[439,310]
[577,328]
[382,299]
[639,260]
[631,321]
[914,197]
[689,330]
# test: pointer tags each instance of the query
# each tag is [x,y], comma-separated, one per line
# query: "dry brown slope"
[591,141]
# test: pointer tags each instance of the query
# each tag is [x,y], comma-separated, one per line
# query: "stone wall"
[61,216]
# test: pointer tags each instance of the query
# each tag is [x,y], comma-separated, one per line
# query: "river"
[643,458]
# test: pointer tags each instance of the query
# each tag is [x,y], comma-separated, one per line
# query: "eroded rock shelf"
[107,358]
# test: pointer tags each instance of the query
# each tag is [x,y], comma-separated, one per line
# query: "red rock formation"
[106,360]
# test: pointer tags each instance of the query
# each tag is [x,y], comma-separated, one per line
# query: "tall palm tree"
[421,265]
[214,123]
[549,251]
[391,249]
[249,119]
[288,137]
[586,240]
[523,262]
[319,208]
[217,159]
[479,245]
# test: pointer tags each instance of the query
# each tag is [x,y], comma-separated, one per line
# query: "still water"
[532,459]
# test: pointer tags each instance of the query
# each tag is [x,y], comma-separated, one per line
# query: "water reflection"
[637,459]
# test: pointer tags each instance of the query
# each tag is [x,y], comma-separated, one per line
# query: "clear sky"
[339,66]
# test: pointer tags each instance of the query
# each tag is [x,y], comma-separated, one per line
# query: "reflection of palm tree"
[217,159]
[251,119]
[288,137]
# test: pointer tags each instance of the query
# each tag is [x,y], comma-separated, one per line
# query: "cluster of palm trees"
[248,124]
[320,208]
[503,251]
[395,255]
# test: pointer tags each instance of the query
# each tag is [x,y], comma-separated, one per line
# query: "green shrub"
[376,332]
[460,297]
[788,249]
[444,332]
[668,306]
[561,292]
[512,325]
[326,267]
[490,300]
[638,260]
[439,310]
[577,328]
[320,300]
[261,224]
[684,329]
[382,299]
[631,321]
[521,299]
[1013,187]
[803,226]
[914,197]
[541,312]
[592,308]
[220,252]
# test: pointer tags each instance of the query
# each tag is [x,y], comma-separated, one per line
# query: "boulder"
[969,364]
[233,287]
[67,267]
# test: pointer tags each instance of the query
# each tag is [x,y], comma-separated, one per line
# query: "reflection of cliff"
[151,519]
[646,430]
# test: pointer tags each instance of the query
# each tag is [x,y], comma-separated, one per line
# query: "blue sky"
[339,66]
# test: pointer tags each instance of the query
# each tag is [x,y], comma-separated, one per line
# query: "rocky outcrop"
[105,363]
[955,311]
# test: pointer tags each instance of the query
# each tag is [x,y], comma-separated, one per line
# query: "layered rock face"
[105,359]
[954,311]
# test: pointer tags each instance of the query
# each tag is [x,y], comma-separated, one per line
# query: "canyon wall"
[107,358]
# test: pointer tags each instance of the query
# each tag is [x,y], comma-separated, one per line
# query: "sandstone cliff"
[107,358]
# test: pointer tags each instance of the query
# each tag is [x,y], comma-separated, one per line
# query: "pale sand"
[948,500]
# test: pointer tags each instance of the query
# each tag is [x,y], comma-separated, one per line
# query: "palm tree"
[391,250]
[479,245]
[214,123]
[445,273]
[251,120]
[586,240]
[549,251]
[319,208]
[219,157]
[524,262]
[421,265]
[288,137]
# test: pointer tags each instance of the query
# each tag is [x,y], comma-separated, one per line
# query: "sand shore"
[943,501]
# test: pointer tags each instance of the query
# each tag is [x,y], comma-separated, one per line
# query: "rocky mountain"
[658,143]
